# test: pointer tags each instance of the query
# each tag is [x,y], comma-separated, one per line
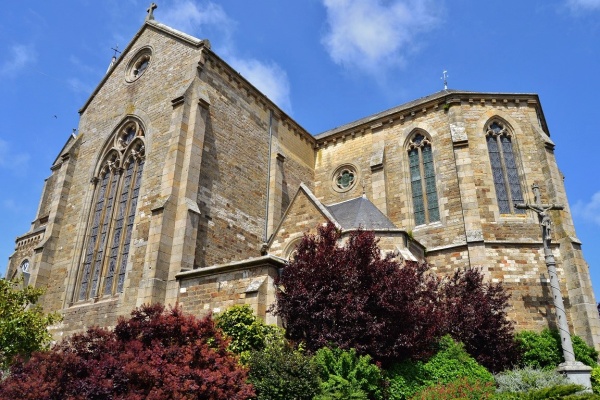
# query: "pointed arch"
[503,161]
[117,181]
[422,178]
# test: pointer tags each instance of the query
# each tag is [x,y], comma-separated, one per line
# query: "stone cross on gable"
[542,212]
[150,11]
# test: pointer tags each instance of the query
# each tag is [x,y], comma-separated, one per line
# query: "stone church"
[186,184]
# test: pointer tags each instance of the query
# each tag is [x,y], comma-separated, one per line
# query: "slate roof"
[359,212]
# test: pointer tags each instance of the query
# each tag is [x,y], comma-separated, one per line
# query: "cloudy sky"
[326,62]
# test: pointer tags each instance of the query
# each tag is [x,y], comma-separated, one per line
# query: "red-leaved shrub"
[156,354]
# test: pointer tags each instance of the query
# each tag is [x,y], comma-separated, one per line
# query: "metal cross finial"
[116,49]
[445,79]
[150,11]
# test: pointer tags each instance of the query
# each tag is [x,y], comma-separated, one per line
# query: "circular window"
[139,64]
[344,178]
[25,266]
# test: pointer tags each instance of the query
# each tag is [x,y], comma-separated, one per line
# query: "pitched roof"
[359,212]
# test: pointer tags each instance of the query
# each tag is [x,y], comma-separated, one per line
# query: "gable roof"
[148,24]
[359,213]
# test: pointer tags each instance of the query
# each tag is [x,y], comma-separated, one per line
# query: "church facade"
[187,185]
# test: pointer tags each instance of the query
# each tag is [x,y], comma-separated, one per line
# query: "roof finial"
[114,58]
[363,186]
[150,11]
[445,79]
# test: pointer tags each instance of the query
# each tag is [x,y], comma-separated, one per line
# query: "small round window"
[344,178]
[139,64]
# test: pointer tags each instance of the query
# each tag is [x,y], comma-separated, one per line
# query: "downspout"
[265,238]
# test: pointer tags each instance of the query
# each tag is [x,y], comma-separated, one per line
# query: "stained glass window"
[504,168]
[422,180]
[117,186]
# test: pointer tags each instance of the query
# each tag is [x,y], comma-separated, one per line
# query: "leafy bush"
[153,355]
[246,332]
[554,392]
[584,353]
[280,372]
[595,378]
[449,364]
[527,379]
[345,375]
[476,316]
[462,388]
[543,350]
[350,297]
[23,325]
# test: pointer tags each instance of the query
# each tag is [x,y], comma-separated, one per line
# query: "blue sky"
[326,62]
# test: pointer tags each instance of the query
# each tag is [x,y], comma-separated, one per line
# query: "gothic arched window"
[422,180]
[117,185]
[504,168]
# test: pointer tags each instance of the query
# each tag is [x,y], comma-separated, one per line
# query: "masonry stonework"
[231,183]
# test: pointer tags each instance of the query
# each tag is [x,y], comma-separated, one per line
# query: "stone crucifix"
[150,11]
[546,225]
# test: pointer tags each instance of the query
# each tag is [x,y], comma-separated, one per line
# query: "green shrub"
[554,392]
[584,353]
[596,379]
[345,375]
[526,379]
[449,364]
[462,388]
[539,350]
[280,372]
[245,331]
[543,350]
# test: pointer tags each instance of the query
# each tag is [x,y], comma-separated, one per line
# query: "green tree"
[23,324]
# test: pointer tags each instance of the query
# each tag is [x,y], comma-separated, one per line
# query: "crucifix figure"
[150,11]
[542,212]
[546,225]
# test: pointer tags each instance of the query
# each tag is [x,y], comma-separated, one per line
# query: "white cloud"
[269,78]
[16,162]
[374,35]
[79,86]
[581,5]
[191,17]
[18,57]
[199,18]
[590,211]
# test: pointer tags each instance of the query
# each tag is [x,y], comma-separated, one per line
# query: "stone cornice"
[437,102]
[263,261]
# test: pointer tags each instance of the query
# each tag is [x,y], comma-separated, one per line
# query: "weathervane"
[445,79]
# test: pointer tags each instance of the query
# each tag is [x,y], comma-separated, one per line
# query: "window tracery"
[344,178]
[422,180]
[117,185]
[504,167]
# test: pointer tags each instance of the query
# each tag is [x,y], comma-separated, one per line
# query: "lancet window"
[422,180]
[117,186]
[504,167]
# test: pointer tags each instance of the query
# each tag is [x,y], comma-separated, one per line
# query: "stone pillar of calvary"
[575,371]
